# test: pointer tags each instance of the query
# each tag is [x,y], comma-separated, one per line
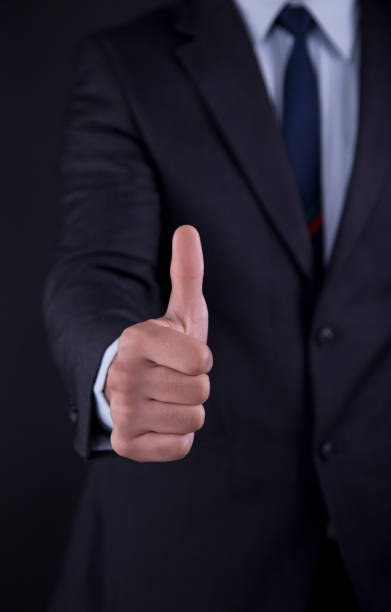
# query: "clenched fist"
[159,380]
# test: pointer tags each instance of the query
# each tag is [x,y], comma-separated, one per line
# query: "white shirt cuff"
[102,406]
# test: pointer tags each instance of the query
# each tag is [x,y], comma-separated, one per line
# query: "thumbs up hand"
[159,380]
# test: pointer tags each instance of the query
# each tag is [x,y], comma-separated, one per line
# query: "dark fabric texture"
[331,587]
[170,123]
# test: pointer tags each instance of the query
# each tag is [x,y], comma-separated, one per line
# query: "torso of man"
[245,409]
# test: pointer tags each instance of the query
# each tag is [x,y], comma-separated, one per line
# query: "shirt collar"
[335,18]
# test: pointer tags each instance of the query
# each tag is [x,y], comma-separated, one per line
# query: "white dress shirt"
[334,50]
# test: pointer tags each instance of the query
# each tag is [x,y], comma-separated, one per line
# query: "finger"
[152,446]
[187,303]
[159,417]
[165,385]
[159,343]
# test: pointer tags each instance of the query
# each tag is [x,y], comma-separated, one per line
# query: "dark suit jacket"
[170,123]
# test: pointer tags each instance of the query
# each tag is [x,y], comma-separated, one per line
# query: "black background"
[41,475]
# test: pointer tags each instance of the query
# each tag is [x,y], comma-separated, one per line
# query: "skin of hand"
[158,381]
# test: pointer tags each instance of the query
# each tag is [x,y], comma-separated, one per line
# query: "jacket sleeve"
[104,277]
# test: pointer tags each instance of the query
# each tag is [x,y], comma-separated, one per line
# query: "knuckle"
[122,380]
[201,418]
[112,377]
[205,358]
[182,448]
[121,415]
[123,339]
[203,387]
[151,326]
[130,338]
[120,445]
[201,358]
[188,419]
[197,418]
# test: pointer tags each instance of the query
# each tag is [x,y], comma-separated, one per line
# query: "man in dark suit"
[266,127]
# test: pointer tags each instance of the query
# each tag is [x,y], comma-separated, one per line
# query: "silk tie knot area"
[296,20]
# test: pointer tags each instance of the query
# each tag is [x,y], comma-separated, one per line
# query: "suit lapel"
[216,52]
[373,154]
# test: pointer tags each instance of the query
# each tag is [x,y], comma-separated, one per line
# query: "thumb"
[187,306]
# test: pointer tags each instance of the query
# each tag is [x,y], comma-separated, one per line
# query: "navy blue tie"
[301,126]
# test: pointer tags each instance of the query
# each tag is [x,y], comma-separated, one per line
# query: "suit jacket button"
[326,450]
[325,336]
[73,414]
